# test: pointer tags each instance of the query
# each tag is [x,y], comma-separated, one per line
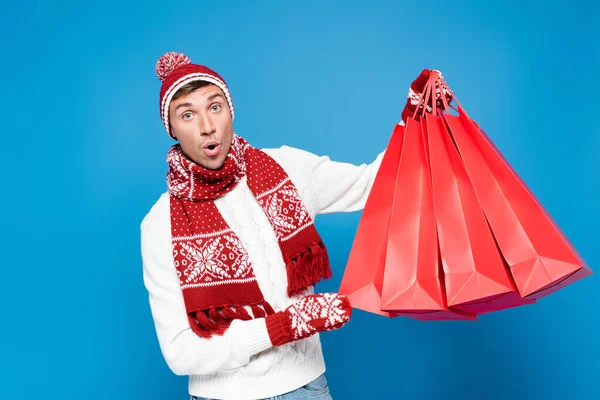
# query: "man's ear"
[173,132]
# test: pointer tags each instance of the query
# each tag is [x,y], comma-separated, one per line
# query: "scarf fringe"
[213,321]
[307,268]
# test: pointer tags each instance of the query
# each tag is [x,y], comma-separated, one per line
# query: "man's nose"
[207,127]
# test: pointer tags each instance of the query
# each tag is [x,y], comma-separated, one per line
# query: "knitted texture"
[416,96]
[261,370]
[311,314]
[174,71]
[214,269]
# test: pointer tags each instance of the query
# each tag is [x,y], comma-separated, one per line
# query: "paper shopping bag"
[363,276]
[540,258]
[413,283]
[476,277]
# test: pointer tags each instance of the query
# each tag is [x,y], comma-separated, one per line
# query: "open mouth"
[212,149]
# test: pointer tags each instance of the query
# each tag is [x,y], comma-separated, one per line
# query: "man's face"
[201,122]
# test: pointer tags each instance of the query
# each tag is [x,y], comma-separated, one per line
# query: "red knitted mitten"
[311,314]
[416,89]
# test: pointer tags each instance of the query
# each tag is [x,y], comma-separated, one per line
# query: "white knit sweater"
[243,364]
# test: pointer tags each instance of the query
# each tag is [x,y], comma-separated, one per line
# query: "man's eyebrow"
[209,98]
[214,96]
[183,105]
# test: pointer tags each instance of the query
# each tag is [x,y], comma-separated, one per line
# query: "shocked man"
[230,251]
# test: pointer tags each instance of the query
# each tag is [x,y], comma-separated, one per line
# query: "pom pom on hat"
[168,62]
[174,71]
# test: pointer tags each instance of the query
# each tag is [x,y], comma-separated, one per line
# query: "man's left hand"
[417,89]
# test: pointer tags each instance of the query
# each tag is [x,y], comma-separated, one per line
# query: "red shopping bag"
[476,277]
[363,277]
[541,259]
[413,283]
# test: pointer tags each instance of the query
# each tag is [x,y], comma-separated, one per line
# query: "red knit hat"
[175,70]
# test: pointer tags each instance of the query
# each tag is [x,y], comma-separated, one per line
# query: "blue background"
[83,161]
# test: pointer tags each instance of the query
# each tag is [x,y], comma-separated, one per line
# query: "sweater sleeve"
[341,186]
[185,352]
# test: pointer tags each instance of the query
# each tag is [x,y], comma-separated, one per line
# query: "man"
[230,252]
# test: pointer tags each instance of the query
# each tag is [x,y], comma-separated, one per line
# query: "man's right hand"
[311,314]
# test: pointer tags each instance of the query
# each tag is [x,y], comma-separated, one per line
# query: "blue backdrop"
[84,161]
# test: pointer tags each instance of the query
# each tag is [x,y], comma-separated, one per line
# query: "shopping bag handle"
[434,84]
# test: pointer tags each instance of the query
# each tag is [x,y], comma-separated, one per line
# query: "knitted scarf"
[213,267]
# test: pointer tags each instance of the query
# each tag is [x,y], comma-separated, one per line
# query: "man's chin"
[213,165]
[214,168]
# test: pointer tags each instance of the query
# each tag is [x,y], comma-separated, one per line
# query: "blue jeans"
[315,390]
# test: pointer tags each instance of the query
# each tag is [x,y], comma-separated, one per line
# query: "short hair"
[189,88]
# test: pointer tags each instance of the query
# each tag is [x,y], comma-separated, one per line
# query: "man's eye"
[216,107]
[187,115]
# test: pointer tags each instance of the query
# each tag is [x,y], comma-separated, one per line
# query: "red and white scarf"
[213,267]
